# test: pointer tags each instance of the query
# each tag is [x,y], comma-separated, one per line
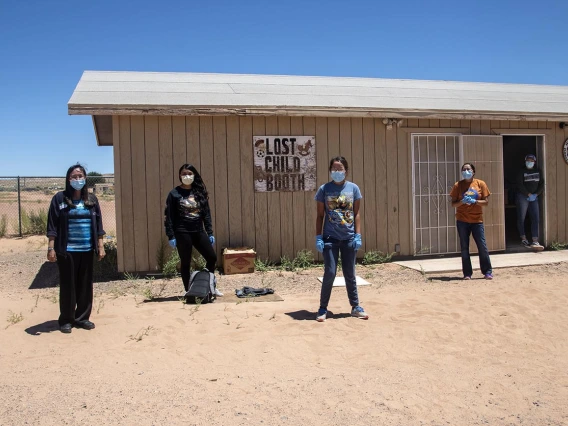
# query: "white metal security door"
[435,170]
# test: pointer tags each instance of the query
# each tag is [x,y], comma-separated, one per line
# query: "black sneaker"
[526,243]
[66,328]
[87,325]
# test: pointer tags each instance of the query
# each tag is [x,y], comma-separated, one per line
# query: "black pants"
[185,244]
[75,286]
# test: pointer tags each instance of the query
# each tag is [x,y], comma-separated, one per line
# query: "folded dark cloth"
[253,292]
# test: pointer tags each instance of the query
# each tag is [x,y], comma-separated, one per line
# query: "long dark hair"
[69,191]
[198,186]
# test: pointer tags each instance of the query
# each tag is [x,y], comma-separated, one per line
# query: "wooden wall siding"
[551,185]
[154,182]
[260,199]
[117,189]
[273,223]
[561,188]
[149,151]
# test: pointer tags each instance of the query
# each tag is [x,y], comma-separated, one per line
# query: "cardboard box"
[239,260]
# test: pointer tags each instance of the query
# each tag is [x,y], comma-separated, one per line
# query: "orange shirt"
[476,189]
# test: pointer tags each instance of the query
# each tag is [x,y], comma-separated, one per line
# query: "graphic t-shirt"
[189,212]
[338,200]
[80,232]
[476,189]
[530,181]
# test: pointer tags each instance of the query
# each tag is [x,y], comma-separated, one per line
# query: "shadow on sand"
[304,315]
[44,327]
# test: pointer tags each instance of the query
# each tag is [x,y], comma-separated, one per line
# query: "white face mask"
[187,179]
[529,164]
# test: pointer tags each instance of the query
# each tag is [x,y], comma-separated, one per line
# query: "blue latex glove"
[468,200]
[532,197]
[319,243]
[212,239]
[357,241]
[172,243]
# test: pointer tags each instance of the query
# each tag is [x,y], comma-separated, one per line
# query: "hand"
[465,200]
[357,242]
[532,197]
[319,243]
[51,256]
[212,239]
[172,243]
[102,253]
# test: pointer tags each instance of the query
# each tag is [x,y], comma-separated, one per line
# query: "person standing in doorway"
[530,184]
[469,197]
[188,221]
[75,233]
[338,230]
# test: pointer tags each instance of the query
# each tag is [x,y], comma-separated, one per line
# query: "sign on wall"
[565,151]
[284,163]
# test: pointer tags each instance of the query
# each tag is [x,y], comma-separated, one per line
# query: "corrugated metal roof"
[108,93]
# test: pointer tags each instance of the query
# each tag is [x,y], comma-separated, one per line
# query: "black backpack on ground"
[201,287]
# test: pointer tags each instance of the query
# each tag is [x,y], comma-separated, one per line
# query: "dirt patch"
[436,350]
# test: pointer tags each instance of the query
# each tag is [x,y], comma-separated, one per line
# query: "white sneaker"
[359,312]
[218,293]
[321,315]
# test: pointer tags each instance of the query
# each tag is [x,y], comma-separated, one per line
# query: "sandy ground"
[435,351]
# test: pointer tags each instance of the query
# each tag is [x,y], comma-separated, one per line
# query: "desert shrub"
[287,264]
[3,226]
[372,257]
[35,222]
[197,261]
[170,267]
[161,254]
[263,265]
[107,268]
[555,245]
[304,259]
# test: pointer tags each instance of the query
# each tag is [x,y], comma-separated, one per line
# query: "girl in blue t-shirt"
[338,229]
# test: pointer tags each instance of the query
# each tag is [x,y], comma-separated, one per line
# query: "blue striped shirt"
[80,232]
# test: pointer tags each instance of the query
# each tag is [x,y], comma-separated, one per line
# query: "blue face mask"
[467,174]
[78,184]
[337,176]
[529,164]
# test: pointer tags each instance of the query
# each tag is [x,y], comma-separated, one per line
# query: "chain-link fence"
[24,202]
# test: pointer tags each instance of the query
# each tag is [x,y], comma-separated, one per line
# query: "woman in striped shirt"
[75,232]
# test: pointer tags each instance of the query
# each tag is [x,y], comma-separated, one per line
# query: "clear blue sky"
[46,45]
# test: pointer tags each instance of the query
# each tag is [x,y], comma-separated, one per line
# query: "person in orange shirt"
[469,197]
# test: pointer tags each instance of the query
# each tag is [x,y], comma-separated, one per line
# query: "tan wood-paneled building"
[405,141]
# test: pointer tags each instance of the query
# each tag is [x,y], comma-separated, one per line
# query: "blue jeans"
[331,250]
[466,229]
[522,206]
